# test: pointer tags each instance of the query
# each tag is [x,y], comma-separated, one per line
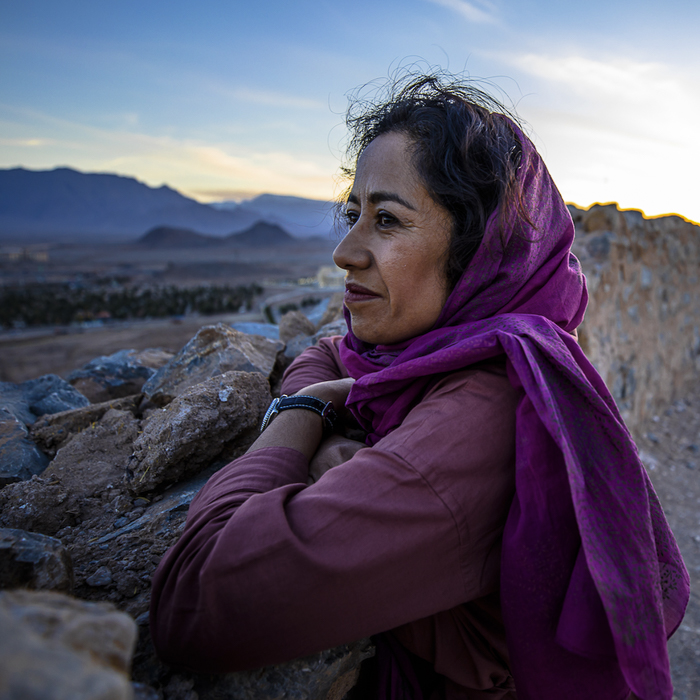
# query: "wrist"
[305,402]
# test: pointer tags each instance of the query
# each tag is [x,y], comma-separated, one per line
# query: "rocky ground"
[669,445]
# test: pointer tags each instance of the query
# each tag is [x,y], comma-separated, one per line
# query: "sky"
[229,99]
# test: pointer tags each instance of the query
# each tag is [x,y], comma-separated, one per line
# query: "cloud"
[469,11]
[30,143]
[648,98]
[614,129]
[191,165]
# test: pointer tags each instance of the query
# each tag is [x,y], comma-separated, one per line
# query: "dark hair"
[464,151]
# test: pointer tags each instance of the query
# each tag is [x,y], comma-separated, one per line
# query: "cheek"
[418,281]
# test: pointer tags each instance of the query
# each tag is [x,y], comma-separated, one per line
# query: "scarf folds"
[592,581]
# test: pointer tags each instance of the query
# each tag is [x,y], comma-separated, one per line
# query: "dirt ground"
[30,354]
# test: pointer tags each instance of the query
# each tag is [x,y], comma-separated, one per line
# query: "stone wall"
[642,327]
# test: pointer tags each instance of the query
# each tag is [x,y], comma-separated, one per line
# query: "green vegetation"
[66,303]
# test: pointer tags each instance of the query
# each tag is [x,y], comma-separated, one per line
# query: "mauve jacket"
[405,536]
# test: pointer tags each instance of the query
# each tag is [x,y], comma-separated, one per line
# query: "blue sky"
[227,99]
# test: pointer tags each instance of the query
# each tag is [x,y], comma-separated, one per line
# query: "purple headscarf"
[592,581]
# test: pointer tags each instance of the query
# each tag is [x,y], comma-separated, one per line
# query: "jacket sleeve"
[269,569]
[319,363]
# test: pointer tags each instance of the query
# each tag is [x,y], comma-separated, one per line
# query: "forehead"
[386,164]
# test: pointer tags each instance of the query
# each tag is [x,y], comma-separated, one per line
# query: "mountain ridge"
[260,234]
[64,204]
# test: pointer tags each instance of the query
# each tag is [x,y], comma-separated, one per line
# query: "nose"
[352,253]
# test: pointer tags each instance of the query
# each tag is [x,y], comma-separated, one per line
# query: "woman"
[496,523]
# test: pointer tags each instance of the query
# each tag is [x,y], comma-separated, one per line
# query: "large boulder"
[217,415]
[213,351]
[54,647]
[120,374]
[31,560]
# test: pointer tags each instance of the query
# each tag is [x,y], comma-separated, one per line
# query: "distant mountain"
[301,217]
[64,204]
[261,234]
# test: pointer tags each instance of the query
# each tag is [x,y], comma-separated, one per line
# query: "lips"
[356,292]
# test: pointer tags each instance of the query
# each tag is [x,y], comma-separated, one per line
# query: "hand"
[332,451]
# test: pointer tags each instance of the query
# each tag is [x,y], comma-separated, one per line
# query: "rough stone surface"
[36,397]
[222,413]
[297,345]
[673,465]
[20,458]
[31,560]
[51,394]
[642,327]
[54,647]
[120,374]
[213,351]
[295,323]
[54,431]
[328,675]
[333,312]
[78,483]
[267,330]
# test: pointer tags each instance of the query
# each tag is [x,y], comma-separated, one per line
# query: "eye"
[351,217]
[386,220]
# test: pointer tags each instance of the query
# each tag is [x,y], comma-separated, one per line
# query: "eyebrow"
[376,197]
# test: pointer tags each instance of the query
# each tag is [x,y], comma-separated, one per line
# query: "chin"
[367,333]
[374,335]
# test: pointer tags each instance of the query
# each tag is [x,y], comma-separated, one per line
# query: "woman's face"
[395,250]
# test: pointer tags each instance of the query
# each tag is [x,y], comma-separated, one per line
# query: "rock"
[54,647]
[333,312]
[213,351]
[267,330]
[294,323]
[54,431]
[120,374]
[640,330]
[337,327]
[598,247]
[79,482]
[37,505]
[51,394]
[20,458]
[102,577]
[297,345]
[31,560]
[328,675]
[36,397]
[221,413]
[144,692]
[13,401]
[175,499]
